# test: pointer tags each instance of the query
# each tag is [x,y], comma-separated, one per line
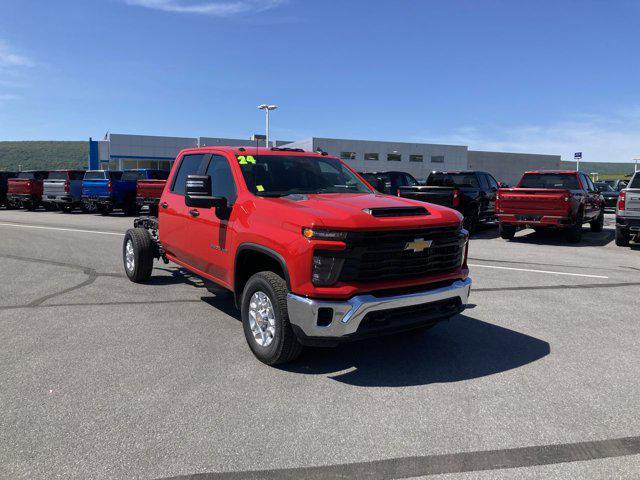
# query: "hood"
[348,211]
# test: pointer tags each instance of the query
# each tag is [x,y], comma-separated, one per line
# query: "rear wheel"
[574,233]
[622,237]
[138,254]
[507,231]
[265,319]
[597,225]
[471,220]
[104,209]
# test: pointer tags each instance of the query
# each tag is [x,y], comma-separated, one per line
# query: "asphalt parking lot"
[102,378]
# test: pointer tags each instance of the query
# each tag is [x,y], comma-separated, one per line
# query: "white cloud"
[9,58]
[213,8]
[611,138]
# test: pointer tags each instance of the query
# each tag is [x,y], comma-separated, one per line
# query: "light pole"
[266,108]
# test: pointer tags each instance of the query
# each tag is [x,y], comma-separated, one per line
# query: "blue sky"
[532,76]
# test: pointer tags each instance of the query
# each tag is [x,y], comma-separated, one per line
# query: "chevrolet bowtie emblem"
[418,245]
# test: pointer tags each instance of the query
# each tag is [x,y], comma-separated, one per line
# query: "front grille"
[406,317]
[382,255]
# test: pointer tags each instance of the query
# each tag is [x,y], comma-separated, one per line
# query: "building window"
[415,158]
[348,155]
[437,158]
[371,156]
[394,157]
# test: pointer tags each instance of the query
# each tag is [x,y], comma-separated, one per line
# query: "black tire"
[507,232]
[597,225]
[143,254]
[88,207]
[130,209]
[574,233]
[31,206]
[622,237]
[284,346]
[104,210]
[471,220]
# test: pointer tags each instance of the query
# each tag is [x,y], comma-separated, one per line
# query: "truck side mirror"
[198,193]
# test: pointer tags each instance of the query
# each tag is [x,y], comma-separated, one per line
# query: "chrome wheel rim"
[129,256]
[262,319]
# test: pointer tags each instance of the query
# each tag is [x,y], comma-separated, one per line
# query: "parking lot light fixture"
[267,108]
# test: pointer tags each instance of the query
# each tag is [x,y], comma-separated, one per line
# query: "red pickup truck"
[26,189]
[311,253]
[563,200]
[149,189]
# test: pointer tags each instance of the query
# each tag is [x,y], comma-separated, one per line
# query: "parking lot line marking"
[548,272]
[61,229]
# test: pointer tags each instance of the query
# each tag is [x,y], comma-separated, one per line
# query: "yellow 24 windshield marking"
[243,160]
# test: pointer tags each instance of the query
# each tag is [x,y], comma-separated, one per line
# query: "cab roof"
[568,172]
[249,150]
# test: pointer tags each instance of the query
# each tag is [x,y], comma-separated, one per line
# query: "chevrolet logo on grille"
[418,245]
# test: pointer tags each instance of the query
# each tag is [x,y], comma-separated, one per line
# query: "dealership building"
[120,151]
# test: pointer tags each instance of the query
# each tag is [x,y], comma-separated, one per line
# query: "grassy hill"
[605,170]
[45,155]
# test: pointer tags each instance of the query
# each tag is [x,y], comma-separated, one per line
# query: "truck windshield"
[94,176]
[281,175]
[157,175]
[58,176]
[567,181]
[604,187]
[467,180]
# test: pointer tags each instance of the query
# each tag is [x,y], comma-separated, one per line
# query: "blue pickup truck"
[106,190]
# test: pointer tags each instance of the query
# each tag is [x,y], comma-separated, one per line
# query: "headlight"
[326,270]
[313,234]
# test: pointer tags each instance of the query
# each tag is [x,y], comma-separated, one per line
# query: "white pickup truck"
[628,213]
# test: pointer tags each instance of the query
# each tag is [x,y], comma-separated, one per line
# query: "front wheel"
[138,254]
[265,319]
[507,232]
[597,225]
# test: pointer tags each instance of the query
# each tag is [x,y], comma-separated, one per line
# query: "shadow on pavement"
[461,349]
[555,237]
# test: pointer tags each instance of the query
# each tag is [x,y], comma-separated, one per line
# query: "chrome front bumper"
[347,315]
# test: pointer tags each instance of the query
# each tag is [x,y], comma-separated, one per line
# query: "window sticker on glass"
[243,160]
[260,188]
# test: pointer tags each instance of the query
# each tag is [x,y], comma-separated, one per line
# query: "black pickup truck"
[389,182]
[472,193]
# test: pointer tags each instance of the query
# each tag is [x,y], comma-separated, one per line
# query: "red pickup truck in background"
[149,190]
[26,189]
[311,253]
[550,199]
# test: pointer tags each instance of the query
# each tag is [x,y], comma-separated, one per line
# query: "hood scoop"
[397,212]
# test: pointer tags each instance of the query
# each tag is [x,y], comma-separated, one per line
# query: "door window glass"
[484,183]
[189,165]
[222,182]
[492,182]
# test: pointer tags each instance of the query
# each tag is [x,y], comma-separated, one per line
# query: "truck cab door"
[484,201]
[592,200]
[211,229]
[173,214]
[491,195]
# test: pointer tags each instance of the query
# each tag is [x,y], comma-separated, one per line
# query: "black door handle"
[164,204]
[194,213]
